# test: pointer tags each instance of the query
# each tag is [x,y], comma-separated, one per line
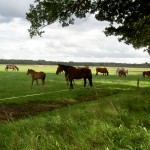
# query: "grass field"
[15,84]
[114,114]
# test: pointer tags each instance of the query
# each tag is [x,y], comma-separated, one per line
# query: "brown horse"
[11,67]
[102,70]
[146,73]
[75,73]
[122,73]
[37,75]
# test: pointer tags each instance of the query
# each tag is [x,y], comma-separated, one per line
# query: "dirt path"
[14,112]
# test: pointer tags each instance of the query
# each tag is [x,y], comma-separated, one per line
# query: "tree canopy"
[128,19]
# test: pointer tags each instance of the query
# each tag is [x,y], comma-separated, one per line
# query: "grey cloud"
[13,8]
[84,41]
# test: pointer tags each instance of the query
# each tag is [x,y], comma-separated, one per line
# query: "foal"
[37,75]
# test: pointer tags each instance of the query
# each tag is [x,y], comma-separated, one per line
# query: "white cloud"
[84,41]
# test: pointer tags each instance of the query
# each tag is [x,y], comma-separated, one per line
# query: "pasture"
[114,114]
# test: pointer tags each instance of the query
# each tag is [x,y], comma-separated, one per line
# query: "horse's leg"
[43,84]
[32,82]
[36,81]
[67,80]
[73,81]
[71,85]
[84,82]
[96,72]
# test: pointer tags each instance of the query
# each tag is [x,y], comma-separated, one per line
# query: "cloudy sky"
[84,41]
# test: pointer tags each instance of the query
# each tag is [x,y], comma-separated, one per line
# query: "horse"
[11,67]
[74,73]
[146,73]
[121,68]
[37,75]
[102,70]
[122,73]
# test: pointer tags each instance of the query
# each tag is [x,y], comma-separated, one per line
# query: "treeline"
[43,62]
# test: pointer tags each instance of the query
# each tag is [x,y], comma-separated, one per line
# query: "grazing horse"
[75,73]
[146,73]
[11,67]
[122,73]
[102,70]
[121,68]
[37,75]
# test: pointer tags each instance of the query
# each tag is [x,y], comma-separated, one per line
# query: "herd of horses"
[72,73]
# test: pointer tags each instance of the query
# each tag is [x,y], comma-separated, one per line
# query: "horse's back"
[76,73]
[40,75]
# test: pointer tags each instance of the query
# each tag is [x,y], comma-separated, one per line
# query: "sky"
[82,42]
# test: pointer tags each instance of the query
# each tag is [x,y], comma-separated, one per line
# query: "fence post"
[138,81]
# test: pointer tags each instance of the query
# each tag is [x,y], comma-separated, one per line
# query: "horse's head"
[17,68]
[28,71]
[59,69]
[144,73]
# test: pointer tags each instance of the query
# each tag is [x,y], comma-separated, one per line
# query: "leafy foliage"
[130,19]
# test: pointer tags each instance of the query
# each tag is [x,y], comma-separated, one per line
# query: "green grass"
[114,116]
[112,122]
[15,84]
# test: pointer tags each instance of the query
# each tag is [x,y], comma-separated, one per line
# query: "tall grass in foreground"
[119,121]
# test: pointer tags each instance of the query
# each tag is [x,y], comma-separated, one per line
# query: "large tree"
[128,19]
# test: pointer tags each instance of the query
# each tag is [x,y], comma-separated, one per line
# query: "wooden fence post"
[138,81]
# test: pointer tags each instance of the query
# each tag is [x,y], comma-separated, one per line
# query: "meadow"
[114,114]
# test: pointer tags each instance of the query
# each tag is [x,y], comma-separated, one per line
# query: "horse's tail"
[44,76]
[90,78]
[90,81]
[6,68]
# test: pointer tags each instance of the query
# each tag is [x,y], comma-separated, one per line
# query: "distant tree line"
[71,63]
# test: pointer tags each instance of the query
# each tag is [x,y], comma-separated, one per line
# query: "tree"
[128,19]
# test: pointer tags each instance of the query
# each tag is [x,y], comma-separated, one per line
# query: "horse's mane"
[31,70]
[65,67]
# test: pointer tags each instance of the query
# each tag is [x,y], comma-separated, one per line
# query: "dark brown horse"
[102,70]
[146,73]
[75,73]
[122,73]
[37,75]
[13,67]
